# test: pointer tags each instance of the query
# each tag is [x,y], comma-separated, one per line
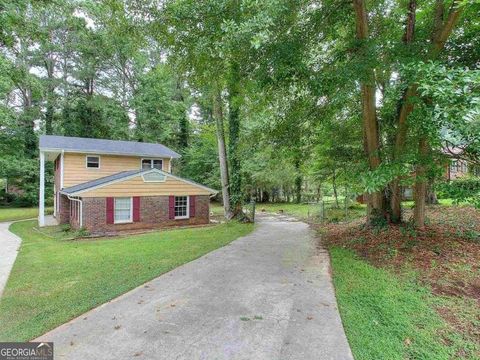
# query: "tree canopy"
[264,99]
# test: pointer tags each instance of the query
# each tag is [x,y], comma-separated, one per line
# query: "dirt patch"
[445,257]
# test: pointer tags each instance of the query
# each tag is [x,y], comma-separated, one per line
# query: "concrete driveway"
[9,245]
[265,296]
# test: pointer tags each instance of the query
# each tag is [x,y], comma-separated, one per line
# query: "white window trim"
[129,221]
[188,207]
[92,168]
[151,162]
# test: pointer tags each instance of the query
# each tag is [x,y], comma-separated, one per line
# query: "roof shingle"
[102,146]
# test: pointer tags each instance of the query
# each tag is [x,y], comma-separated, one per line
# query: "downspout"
[81,209]
[61,170]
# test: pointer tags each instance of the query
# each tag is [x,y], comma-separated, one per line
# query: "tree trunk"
[234,98]
[222,153]
[28,124]
[405,108]
[440,34]
[369,116]
[335,192]
[49,67]
[420,185]
[49,117]
[431,197]
[298,181]
[184,125]
[319,193]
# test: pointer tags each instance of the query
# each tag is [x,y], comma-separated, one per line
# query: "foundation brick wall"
[63,215]
[153,214]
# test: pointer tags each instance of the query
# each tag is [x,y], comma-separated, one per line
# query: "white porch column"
[41,200]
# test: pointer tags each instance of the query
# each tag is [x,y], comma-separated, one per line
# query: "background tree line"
[277,100]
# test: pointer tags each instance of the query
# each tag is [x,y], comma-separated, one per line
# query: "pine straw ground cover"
[441,263]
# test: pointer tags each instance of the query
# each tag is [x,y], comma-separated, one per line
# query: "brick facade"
[153,214]
[62,203]
[63,215]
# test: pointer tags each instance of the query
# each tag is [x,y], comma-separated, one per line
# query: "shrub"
[7,198]
[462,190]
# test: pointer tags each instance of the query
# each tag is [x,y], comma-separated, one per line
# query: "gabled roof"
[77,190]
[102,146]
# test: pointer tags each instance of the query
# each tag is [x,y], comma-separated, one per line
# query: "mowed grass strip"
[388,318]
[13,214]
[54,280]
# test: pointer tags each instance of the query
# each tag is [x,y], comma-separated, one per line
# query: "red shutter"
[136,208]
[171,207]
[192,205]
[110,209]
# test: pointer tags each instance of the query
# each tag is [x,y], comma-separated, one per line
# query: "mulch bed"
[445,255]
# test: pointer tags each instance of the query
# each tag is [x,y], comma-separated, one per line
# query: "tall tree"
[369,112]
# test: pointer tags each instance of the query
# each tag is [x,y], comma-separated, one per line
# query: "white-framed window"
[181,207]
[454,166]
[123,210]
[152,164]
[92,162]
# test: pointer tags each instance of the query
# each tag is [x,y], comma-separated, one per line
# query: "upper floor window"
[93,162]
[152,164]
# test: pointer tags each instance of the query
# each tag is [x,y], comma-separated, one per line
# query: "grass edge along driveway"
[386,317]
[54,280]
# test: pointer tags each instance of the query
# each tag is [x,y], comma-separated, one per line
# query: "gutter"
[81,209]
[101,152]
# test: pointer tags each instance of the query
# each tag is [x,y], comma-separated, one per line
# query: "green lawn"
[54,280]
[13,214]
[443,202]
[305,211]
[312,212]
[389,318]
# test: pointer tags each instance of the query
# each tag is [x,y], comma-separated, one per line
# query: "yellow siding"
[137,187]
[75,171]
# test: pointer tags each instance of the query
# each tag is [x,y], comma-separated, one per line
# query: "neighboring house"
[455,166]
[455,169]
[107,185]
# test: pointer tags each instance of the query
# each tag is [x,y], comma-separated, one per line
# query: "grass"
[312,212]
[443,202]
[304,211]
[386,317]
[14,214]
[54,280]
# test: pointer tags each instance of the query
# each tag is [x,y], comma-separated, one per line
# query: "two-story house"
[107,185]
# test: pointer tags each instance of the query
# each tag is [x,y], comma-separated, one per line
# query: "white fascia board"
[212,191]
[107,153]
